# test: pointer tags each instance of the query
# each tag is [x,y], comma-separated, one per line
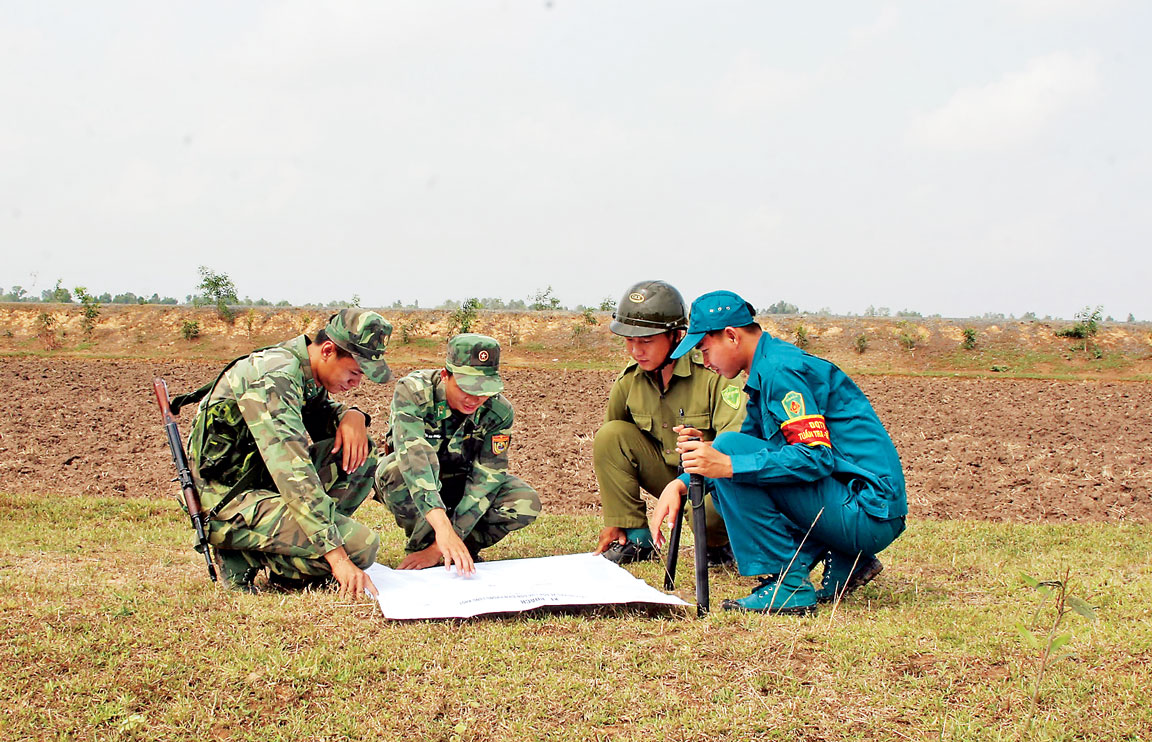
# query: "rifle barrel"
[700,542]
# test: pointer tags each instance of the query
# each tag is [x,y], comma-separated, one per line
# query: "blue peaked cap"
[714,311]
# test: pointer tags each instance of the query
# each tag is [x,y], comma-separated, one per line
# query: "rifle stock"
[184,475]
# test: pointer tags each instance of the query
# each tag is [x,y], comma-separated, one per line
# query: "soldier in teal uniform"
[811,477]
[446,479]
[635,448]
[275,499]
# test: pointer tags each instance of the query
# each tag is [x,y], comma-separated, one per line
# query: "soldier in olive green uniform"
[446,479]
[651,398]
[274,499]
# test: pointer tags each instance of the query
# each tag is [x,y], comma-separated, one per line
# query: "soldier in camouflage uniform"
[652,397]
[276,501]
[446,479]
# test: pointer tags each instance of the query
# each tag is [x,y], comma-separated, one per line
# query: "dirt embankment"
[1005,449]
[878,345]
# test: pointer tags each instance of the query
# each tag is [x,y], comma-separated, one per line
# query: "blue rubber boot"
[790,595]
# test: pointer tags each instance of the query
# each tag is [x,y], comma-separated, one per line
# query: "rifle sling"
[180,400]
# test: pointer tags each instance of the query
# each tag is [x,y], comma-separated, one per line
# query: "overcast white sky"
[943,157]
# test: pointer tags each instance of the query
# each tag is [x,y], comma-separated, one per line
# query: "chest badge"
[500,443]
[793,403]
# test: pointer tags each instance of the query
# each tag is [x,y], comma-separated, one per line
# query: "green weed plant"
[190,329]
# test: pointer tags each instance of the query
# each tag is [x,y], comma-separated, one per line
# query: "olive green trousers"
[627,460]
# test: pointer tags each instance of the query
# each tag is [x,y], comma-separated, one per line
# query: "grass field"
[111,630]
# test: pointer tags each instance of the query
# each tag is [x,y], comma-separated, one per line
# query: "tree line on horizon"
[218,290]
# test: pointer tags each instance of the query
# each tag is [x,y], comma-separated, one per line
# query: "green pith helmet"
[474,361]
[649,308]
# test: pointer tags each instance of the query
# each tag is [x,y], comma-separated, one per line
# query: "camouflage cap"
[474,361]
[365,335]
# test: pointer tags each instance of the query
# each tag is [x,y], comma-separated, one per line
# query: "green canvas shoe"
[791,596]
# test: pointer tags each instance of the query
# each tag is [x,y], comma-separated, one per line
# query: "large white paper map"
[510,585]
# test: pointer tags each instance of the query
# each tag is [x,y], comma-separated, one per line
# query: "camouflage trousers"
[625,460]
[480,522]
[259,526]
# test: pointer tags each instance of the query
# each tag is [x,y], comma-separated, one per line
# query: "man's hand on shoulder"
[352,439]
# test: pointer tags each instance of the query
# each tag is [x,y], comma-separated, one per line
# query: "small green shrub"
[587,320]
[1087,324]
[543,301]
[250,321]
[409,329]
[861,343]
[909,340]
[969,341]
[190,329]
[220,291]
[801,334]
[90,310]
[46,331]
[1086,327]
[463,318]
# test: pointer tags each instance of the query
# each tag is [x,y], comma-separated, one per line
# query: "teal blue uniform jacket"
[815,423]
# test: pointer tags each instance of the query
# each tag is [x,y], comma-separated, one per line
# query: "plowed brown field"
[1017,450]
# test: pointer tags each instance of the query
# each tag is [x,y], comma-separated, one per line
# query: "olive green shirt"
[696,396]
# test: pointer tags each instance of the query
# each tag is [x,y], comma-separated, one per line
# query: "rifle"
[699,541]
[184,476]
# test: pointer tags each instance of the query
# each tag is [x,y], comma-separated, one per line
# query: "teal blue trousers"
[779,528]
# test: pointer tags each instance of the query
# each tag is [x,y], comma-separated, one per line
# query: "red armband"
[809,430]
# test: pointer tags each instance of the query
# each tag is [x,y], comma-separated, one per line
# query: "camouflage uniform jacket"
[696,396]
[260,416]
[425,434]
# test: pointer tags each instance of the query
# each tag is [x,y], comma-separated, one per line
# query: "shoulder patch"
[500,443]
[732,396]
[793,403]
